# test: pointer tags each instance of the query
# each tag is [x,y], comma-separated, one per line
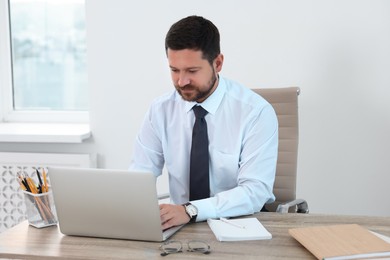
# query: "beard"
[197,93]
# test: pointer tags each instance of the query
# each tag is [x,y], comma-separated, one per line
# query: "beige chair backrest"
[285,103]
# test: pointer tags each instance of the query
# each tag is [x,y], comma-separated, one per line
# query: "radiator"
[12,207]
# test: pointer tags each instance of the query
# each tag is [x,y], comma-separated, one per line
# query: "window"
[43,74]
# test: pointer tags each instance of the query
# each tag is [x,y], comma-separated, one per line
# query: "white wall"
[336,51]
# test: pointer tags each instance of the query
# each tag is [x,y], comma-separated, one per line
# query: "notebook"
[107,203]
[343,241]
[238,229]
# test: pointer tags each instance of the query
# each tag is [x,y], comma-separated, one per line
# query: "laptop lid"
[107,203]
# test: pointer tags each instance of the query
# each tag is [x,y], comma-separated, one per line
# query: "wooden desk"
[26,242]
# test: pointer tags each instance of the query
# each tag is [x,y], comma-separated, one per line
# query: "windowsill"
[44,133]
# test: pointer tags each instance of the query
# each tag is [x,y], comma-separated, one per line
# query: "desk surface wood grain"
[26,242]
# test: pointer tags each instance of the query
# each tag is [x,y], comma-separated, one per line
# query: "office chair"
[285,104]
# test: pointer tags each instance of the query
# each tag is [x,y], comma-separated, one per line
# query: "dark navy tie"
[199,160]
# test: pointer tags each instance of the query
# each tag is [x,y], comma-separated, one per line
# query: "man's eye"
[193,71]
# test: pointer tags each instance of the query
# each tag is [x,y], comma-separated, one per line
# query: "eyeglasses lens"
[171,247]
[198,246]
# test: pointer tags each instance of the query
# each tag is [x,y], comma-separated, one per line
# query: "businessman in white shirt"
[242,131]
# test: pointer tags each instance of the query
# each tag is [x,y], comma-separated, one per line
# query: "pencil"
[32,185]
[24,181]
[22,186]
[40,187]
[45,180]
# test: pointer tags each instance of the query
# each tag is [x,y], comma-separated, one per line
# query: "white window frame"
[7,112]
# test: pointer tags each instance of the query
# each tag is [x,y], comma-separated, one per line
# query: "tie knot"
[199,111]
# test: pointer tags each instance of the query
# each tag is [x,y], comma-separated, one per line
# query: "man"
[241,133]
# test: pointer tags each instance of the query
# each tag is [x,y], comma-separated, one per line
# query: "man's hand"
[173,215]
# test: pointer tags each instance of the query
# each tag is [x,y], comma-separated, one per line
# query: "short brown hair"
[195,33]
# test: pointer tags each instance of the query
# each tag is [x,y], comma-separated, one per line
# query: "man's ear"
[218,62]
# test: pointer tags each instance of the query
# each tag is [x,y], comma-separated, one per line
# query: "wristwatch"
[191,211]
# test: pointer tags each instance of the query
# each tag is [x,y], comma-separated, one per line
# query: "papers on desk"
[349,241]
[238,229]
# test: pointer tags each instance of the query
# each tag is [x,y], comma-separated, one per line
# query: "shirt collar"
[212,103]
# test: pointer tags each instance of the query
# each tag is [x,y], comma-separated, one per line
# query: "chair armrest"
[301,204]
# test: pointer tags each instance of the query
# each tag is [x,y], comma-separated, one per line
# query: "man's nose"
[183,80]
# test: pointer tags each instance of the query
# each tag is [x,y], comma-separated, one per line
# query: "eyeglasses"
[172,246]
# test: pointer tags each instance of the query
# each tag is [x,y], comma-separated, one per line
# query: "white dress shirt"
[243,145]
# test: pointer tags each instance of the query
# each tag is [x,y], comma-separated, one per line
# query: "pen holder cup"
[40,209]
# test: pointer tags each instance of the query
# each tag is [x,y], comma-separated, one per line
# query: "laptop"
[107,203]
